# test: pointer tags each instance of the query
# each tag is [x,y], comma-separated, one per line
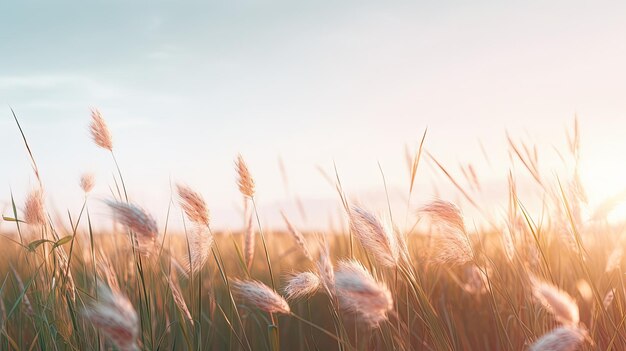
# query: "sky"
[186,86]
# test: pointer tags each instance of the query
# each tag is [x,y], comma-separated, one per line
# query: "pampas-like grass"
[100,131]
[562,306]
[452,246]
[565,338]
[245,181]
[138,221]
[193,204]
[87,182]
[302,284]
[361,294]
[260,296]
[34,208]
[115,317]
[200,242]
[375,238]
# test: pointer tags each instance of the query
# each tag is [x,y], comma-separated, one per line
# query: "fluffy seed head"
[99,131]
[115,317]
[34,208]
[376,239]
[200,242]
[451,242]
[558,302]
[245,181]
[565,338]
[302,285]
[138,221]
[193,204]
[261,296]
[361,294]
[87,182]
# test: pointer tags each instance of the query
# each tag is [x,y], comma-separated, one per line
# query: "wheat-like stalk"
[298,237]
[245,180]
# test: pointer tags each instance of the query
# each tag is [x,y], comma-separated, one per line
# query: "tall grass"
[547,281]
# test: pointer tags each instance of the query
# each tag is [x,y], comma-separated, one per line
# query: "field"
[541,281]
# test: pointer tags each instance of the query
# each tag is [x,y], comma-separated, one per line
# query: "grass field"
[547,281]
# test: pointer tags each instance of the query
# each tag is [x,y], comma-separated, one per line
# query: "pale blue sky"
[185,86]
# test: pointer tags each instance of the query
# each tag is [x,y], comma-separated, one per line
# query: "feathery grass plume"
[302,285]
[376,239]
[99,131]
[245,181]
[615,259]
[115,317]
[200,242]
[297,235]
[608,299]
[325,268]
[564,338]
[193,204]
[87,182]
[558,302]
[261,296]
[361,294]
[25,300]
[179,300]
[451,244]
[138,221]
[249,241]
[34,208]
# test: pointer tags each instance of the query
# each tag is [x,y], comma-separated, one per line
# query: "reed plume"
[193,204]
[99,131]
[138,221]
[562,306]
[115,317]
[261,296]
[452,244]
[302,285]
[200,242]
[361,294]
[375,238]
[87,182]
[34,208]
[245,181]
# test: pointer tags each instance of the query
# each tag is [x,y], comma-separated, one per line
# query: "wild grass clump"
[438,280]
